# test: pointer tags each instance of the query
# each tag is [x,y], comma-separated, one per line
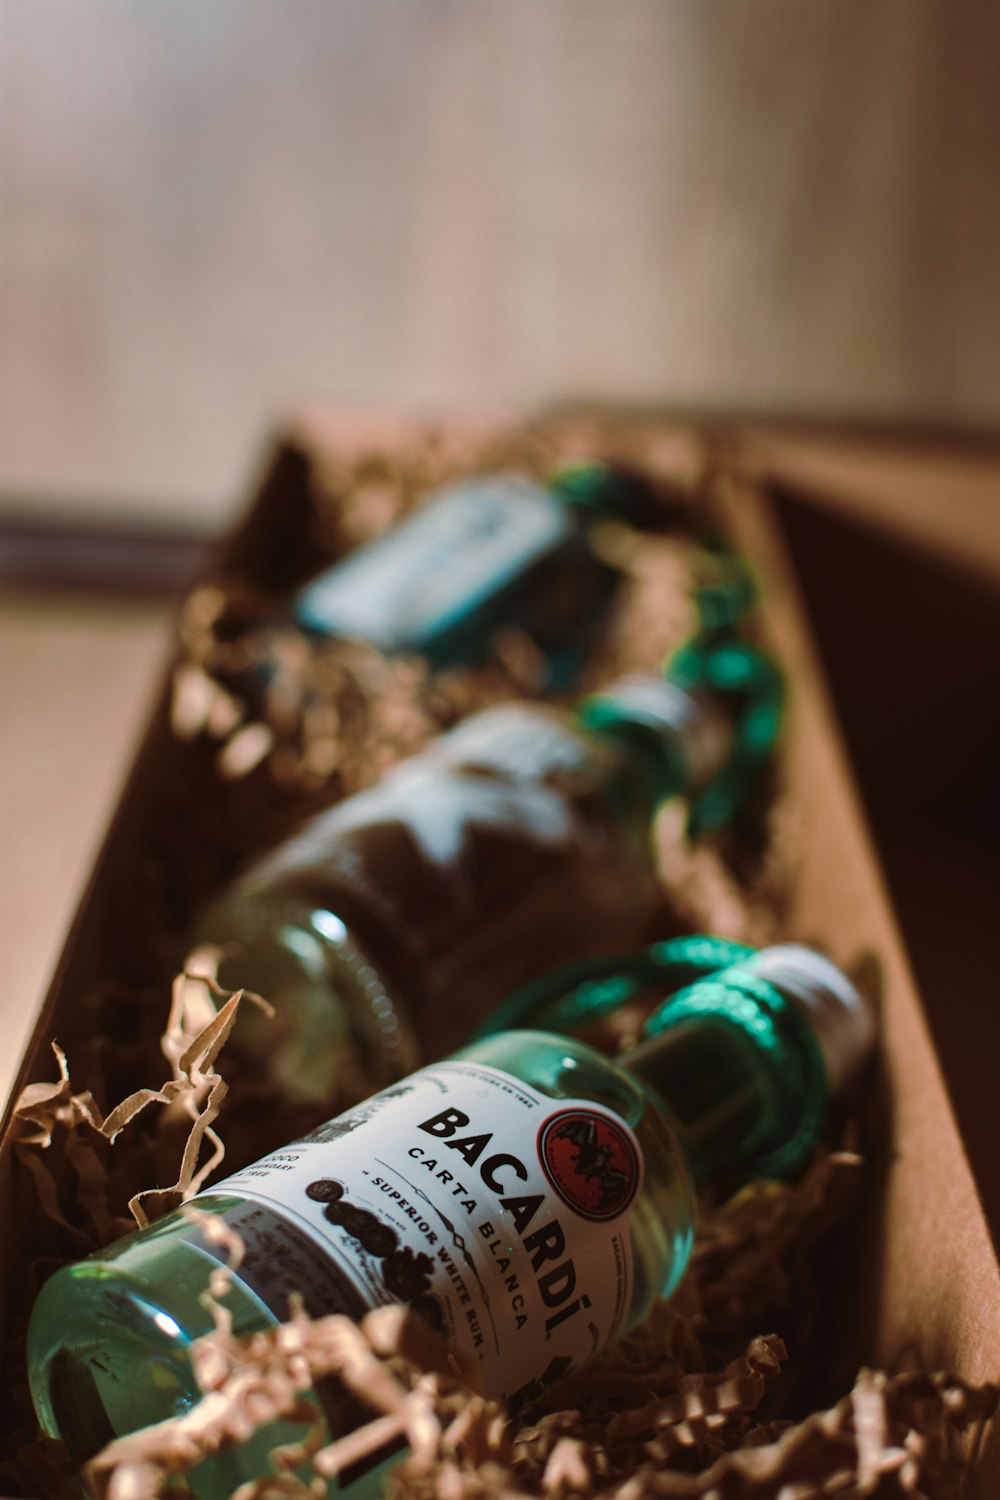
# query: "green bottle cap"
[809,1028]
[611,492]
[685,735]
[841,1019]
[728,594]
[745,684]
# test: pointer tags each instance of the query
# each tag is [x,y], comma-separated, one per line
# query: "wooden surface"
[212,212]
[76,680]
[928,1274]
[911,653]
[946,499]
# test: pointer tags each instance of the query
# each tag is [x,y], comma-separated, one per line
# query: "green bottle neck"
[722,1103]
[675,741]
[745,1068]
[600,491]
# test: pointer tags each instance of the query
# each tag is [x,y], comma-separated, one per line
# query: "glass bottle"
[391,925]
[529,1198]
[479,558]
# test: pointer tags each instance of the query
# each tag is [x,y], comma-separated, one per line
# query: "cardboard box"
[931,1282]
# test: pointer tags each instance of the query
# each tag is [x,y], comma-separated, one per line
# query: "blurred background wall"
[211,210]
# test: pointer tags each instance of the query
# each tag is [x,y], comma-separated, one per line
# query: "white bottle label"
[439,795]
[439,564]
[498,1213]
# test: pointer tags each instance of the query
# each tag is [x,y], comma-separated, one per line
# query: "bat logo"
[591,1160]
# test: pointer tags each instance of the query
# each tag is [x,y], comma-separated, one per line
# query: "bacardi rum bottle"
[529,1198]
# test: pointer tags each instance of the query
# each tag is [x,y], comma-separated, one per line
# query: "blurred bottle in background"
[390,926]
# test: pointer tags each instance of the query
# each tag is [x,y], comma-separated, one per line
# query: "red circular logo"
[590,1160]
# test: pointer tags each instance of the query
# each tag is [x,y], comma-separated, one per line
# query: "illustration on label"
[407,1273]
[591,1161]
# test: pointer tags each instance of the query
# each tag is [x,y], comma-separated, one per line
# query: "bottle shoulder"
[563,1068]
[566,1069]
[662,1213]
